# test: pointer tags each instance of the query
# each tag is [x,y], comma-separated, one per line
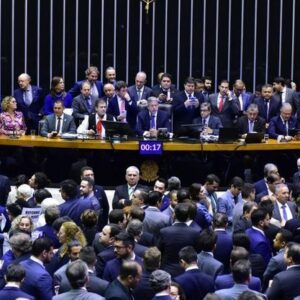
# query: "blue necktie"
[284,214]
[89,103]
[152,122]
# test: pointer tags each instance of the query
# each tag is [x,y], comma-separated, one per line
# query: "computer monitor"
[117,128]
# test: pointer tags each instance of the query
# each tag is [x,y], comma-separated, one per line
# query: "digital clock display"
[151,148]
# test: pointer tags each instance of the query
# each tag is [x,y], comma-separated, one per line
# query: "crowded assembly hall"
[138,186]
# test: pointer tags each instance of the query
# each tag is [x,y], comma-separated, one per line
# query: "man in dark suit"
[261,185]
[211,124]
[109,92]
[139,91]
[251,122]
[123,107]
[121,287]
[77,274]
[280,125]
[285,284]
[58,123]
[30,101]
[123,193]
[165,91]
[284,209]
[259,243]
[175,237]
[223,105]
[83,104]
[38,281]
[186,105]
[268,106]
[243,98]
[110,75]
[14,276]
[194,283]
[124,249]
[285,94]
[151,119]
[92,75]
[207,87]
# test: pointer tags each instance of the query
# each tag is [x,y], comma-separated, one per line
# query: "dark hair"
[208,239]
[211,178]
[41,244]
[249,295]
[41,194]
[286,235]
[88,255]
[166,75]
[114,229]
[194,190]
[128,268]
[126,238]
[241,239]
[163,180]
[100,101]
[182,212]
[116,216]
[238,253]
[181,293]
[73,243]
[120,84]
[247,189]
[15,272]
[89,180]
[237,182]
[137,213]
[69,187]
[192,208]
[189,80]
[271,178]
[220,220]
[52,213]
[86,168]
[21,179]
[182,194]
[224,81]
[58,222]
[188,254]
[77,274]
[206,77]
[268,206]
[258,215]
[14,209]
[293,251]
[54,82]
[241,271]
[174,183]
[248,206]
[41,180]
[280,80]
[89,218]
[154,198]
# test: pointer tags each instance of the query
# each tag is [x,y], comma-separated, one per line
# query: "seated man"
[83,104]
[93,124]
[58,123]
[280,125]
[251,122]
[151,119]
[211,124]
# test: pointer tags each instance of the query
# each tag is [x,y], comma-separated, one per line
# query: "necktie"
[130,191]
[58,124]
[235,198]
[286,126]
[139,93]
[203,121]
[152,122]
[94,91]
[284,214]
[267,105]
[251,126]
[99,128]
[26,98]
[239,103]
[221,104]
[280,97]
[89,103]
[212,201]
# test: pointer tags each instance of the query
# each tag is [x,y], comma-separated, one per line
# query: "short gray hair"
[159,280]
[21,242]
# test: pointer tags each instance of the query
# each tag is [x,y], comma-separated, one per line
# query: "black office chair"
[169,109]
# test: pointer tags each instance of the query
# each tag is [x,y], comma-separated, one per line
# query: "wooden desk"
[37,141]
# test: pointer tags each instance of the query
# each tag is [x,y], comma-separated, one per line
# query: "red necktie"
[221,104]
[99,128]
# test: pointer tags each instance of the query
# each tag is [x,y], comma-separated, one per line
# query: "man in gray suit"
[77,273]
[58,123]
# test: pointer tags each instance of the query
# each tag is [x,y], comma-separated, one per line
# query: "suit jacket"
[214,123]
[209,265]
[143,289]
[38,281]
[143,121]
[75,90]
[259,244]
[78,294]
[4,190]
[80,107]
[172,240]
[33,112]
[139,249]
[246,99]
[274,108]
[290,204]
[104,206]
[157,90]
[234,292]
[103,257]
[223,248]
[290,97]
[276,126]
[12,293]
[243,125]
[183,115]
[133,93]
[131,108]
[195,284]
[155,220]
[261,186]
[48,231]
[285,285]
[229,112]
[117,291]
[226,281]
[121,192]
[68,125]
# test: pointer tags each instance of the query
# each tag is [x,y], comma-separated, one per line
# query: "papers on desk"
[209,138]
[69,136]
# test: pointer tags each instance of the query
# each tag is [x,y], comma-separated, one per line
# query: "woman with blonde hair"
[68,231]
[11,120]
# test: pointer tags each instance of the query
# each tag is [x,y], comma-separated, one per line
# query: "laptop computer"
[254,138]
[228,135]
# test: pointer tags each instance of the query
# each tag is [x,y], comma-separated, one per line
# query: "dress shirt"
[140,93]
[94,90]
[287,209]
[283,95]
[28,95]
[84,126]
[61,122]
[37,260]
[261,231]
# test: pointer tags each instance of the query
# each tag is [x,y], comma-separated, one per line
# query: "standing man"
[92,75]
[207,81]
[87,194]
[109,92]
[58,123]
[30,101]
[139,91]
[243,99]
[110,75]
[123,192]
[223,105]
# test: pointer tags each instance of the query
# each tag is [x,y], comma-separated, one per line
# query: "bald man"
[139,91]
[30,101]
